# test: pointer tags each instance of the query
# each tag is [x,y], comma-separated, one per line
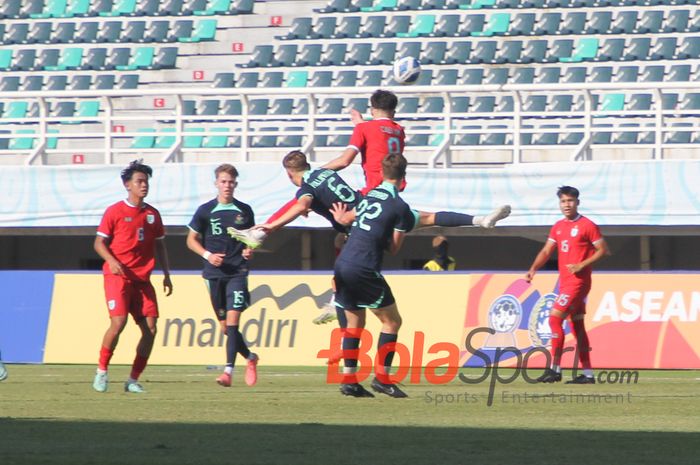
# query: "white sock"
[132,380]
[228,370]
[101,372]
[588,373]
[556,368]
[478,220]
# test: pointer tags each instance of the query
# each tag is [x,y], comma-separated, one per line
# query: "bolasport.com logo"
[439,364]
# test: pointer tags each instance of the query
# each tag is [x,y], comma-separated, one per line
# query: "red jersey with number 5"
[575,241]
[374,140]
[132,232]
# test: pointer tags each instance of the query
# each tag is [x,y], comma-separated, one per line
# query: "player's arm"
[162,258]
[194,243]
[343,161]
[601,250]
[103,251]
[540,259]
[341,214]
[298,209]
[396,242]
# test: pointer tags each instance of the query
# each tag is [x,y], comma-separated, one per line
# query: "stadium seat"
[407,5]
[231,108]
[128,81]
[77,8]
[653,73]
[105,81]
[408,49]
[204,31]
[586,49]
[145,141]
[284,55]
[676,20]
[215,7]
[301,28]
[383,54]
[496,76]
[639,102]
[612,102]
[109,32]
[601,74]
[170,7]
[32,83]
[347,28]
[694,23]
[374,26]
[534,52]
[371,78]
[472,76]
[261,56]
[546,138]
[523,76]
[258,106]
[141,59]
[24,60]
[434,105]
[418,140]
[324,28]
[678,137]
[291,140]
[247,80]
[133,31]
[571,138]
[164,141]
[158,31]
[165,58]
[310,55]
[434,52]
[560,48]
[271,79]
[523,24]
[626,74]
[15,109]
[624,22]
[333,55]
[477,4]
[63,110]
[16,33]
[509,52]
[208,107]
[446,77]
[193,141]
[147,8]
[86,32]
[331,106]
[421,26]
[679,73]
[40,33]
[471,24]
[9,84]
[482,104]
[31,7]
[47,57]
[560,103]
[497,25]
[358,54]
[664,48]
[79,82]
[468,139]
[598,23]
[548,75]
[573,23]
[63,34]
[691,101]
[117,57]
[649,22]
[688,48]
[495,135]
[297,79]
[457,53]
[669,101]
[96,58]
[548,24]
[121,8]
[638,49]
[22,143]
[321,79]
[535,103]
[483,52]
[380,5]
[447,26]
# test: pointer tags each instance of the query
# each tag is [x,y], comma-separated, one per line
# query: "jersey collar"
[387,186]
[225,207]
[578,217]
[126,201]
[306,175]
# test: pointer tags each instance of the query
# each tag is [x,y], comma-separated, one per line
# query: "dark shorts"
[360,288]
[228,294]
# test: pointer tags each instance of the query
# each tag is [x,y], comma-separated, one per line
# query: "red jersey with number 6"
[132,232]
[575,241]
[376,139]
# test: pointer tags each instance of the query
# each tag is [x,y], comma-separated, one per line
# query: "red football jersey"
[132,232]
[376,139]
[575,241]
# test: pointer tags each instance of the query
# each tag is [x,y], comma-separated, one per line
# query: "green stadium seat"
[612,102]
[142,59]
[215,7]
[381,5]
[22,143]
[498,24]
[77,8]
[164,141]
[586,49]
[145,141]
[422,25]
[204,31]
[121,8]
[297,79]
[477,4]
[193,141]
[215,141]
[5,58]
[71,58]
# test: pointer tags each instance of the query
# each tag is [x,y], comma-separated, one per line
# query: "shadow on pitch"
[37,441]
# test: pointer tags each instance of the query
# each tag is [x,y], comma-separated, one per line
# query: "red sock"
[556,327]
[105,357]
[138,366]
[582,344]
[281,211]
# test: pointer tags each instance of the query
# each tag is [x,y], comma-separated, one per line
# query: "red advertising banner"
[634,320]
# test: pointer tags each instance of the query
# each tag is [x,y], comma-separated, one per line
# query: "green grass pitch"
[49,414]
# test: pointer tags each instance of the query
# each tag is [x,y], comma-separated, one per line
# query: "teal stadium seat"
[216,141]
[77,8]
[498,24]
[421,26]
[297,78]
[193,141]
[121,8]
[145,141]
[215,7]
[15,109]
[164,141]
[381,5]
[586,49]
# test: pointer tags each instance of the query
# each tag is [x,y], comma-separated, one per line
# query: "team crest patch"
[505,314]
[111,304]
[239,219]
[150,218]
[538,324]
[574,231]
[127,219]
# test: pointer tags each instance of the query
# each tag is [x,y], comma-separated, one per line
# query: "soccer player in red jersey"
[579,245]
[129,239]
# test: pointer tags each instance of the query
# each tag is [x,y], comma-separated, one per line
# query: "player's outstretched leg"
[490,220]
[328,313]
[253,238]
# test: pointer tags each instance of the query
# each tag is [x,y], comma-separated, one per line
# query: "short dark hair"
[226,168]
[384,100]
[567,190]
[136,166]
[394,166]
[296,161]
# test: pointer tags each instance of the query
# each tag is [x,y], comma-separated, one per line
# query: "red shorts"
[124,297]
[572,297]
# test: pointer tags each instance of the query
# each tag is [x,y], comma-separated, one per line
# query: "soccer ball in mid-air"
[406,70]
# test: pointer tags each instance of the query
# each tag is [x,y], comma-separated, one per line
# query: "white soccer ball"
[406,70]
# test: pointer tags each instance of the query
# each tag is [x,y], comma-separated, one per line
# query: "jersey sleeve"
[551,236]
[159,229]
[106,227]
[407,220]
[305,189]
[594,234]
[358,140]
[198,223]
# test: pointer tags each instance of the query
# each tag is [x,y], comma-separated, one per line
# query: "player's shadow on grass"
[29,442]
